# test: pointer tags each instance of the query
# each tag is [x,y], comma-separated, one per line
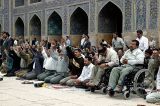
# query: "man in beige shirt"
[107,58]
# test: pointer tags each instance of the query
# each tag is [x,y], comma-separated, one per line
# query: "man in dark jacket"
[16,62]
[76,65]
[37,65]
[87,43]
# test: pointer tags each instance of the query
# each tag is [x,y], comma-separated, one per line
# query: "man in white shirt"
[68,41]
[130,58]
[51,60]
[143,41]
[86,72]
[152,43]
[82,41]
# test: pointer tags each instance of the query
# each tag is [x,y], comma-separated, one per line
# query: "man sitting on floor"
[75,66]
[61,68]
[86,73]
[50,65]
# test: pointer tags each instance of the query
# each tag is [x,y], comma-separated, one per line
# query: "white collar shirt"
[143,43]
[134,57]
[86,72]
[82,41]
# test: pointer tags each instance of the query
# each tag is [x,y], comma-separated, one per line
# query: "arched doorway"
[19,27]
[78,24]
[35,28]
[55,26]
[110,21]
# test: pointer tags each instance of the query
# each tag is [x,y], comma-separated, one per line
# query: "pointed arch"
[117,4]
[54,24]
[35,26]
[79,22]
[110,19]
[19,27]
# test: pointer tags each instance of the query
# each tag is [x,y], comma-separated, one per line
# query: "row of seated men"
[60,65]
[55,66]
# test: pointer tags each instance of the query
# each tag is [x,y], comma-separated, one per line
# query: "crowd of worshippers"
[60,63]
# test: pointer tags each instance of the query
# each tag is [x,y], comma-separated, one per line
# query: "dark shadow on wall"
[110,19]
[19,27]
[54,24]
[79,22]
[35,26]
[0,29]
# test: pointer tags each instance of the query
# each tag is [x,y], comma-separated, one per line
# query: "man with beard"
[107,59]
[75,66]
[130,58]
[86,72]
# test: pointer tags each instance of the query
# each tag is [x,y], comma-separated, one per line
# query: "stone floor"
[13,93]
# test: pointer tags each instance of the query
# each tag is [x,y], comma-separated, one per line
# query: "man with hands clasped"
[130,58]
[107,58]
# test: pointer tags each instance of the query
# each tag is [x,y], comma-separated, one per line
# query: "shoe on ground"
[79,86]
[9,75]
[37,85]
[88,89]
[27,82]
[20,78]
[118,89]
[1,79]
[109,88]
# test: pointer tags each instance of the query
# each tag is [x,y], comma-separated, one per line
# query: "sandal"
[27,82]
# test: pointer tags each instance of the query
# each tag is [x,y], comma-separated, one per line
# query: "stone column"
[92,22]
[65,21]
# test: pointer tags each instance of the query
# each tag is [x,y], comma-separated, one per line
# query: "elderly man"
[131,57]
[107,58]
[143,41]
